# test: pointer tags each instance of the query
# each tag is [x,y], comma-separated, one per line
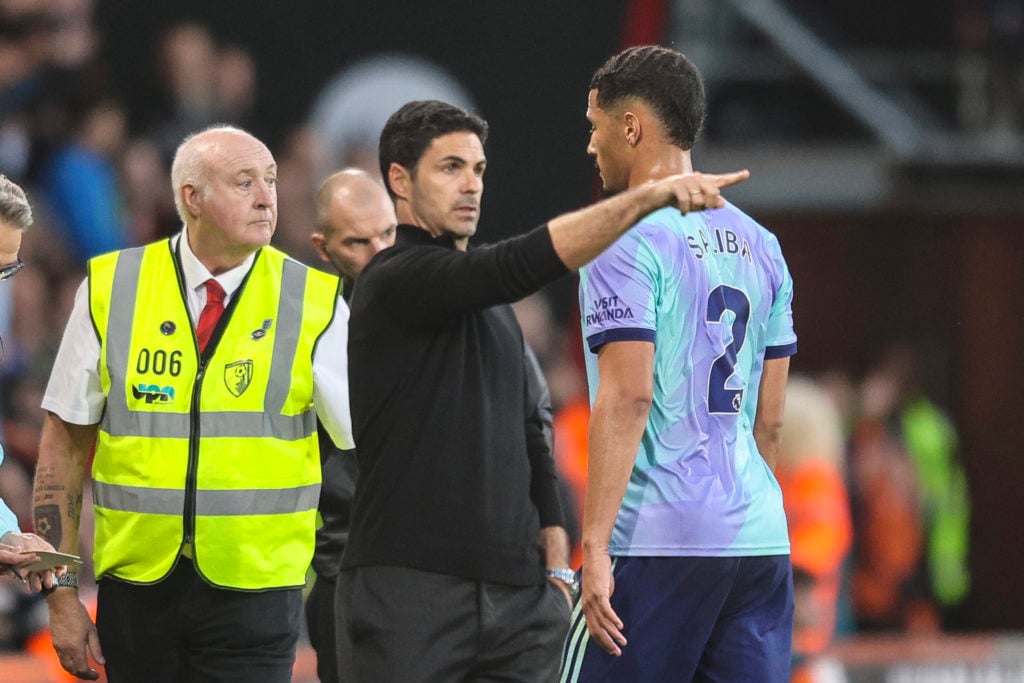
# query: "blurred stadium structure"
[844,124]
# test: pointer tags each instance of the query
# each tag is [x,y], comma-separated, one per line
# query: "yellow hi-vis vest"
[220,452]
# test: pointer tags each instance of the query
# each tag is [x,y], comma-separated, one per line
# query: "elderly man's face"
[239,200]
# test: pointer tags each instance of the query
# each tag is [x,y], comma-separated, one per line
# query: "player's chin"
[608,186]
[609,189]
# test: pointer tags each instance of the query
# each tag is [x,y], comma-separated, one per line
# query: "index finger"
[727,179]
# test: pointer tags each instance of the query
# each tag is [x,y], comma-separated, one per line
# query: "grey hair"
[189,165]
[14,207]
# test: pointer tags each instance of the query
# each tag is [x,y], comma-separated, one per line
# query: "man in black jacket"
[453,522]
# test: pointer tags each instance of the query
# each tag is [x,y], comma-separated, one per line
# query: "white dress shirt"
[74,392]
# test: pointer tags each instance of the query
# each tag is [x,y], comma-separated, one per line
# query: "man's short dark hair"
[411,129]
[664,79]
[14,208]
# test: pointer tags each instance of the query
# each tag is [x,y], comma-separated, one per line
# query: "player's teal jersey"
[8,520]
[713,293]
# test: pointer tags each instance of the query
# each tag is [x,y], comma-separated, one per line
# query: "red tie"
[211,312]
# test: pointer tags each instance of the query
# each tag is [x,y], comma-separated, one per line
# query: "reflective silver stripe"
[152,501]
[160,501]
[119,317]
[286,336]
[257,501]
[118,420]
[223,424]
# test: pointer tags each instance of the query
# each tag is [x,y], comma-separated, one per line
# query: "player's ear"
[399,179]
[631,128]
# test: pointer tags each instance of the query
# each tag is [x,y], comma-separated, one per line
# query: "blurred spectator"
[16,66]
[46,50]
[188,70]
[810,471]
[888,587]
[148,208]
[73,41]
[930,439]
[201,84]
[911,503]
[80,182]
[236,86]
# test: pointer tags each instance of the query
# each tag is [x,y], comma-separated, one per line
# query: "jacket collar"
[409,235]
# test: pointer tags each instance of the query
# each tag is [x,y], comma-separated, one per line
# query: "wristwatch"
[566,576]
[69,579]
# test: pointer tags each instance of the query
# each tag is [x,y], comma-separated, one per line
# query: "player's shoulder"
[741,220]
[665,217]
[661,227]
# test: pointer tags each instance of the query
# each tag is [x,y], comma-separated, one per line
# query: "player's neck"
[659,163]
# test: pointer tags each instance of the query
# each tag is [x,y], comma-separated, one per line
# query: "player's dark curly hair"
[411,129]
[663,78]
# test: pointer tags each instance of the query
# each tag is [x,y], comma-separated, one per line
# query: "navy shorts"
[692,619]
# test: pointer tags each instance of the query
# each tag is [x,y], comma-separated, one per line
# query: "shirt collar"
[196,274]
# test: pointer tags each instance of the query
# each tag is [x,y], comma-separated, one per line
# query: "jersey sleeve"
[618,293]
[8,520]
[781,337]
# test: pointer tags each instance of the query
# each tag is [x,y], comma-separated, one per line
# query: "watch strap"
[566,576]
[69,579]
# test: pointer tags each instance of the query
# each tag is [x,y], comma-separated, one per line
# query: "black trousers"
[320,622]
[397,625]
[183,630]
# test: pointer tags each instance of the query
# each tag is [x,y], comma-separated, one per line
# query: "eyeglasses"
[11,269]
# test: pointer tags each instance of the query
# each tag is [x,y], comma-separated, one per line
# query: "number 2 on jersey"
[722,399]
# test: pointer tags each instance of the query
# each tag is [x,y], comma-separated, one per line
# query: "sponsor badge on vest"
[237,376]
[262,331]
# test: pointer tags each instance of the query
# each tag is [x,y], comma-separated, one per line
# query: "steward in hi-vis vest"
[213,455]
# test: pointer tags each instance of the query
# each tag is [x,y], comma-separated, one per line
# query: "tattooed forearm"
[48,524]
[63,457]
[75,506]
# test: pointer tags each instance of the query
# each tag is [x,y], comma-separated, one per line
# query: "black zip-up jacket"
[340,474]
[440,411]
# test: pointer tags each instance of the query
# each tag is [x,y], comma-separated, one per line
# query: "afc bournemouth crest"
[237,376]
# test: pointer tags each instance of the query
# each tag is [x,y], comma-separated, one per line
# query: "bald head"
[191,163]
[355,220]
